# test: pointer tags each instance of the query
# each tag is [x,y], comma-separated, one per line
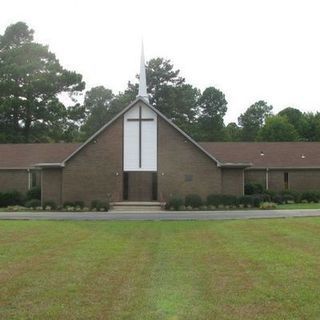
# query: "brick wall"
[255,176]
[14,180]
[299,180]
[51,185]
[182,167]
[95,172]
[232,181]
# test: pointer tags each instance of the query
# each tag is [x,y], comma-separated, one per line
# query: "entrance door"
[140,186]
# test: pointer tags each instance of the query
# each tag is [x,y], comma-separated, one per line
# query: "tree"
[233,132]
[213,106]
[295,117]
[97,108]
[253,119]
[31,78]
[277,128]
[311,126]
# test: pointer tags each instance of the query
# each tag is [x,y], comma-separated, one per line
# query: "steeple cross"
[140,119]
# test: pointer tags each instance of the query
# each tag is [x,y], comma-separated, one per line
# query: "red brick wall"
[255,176]
[178,161]
[14,180]
[51,185]
[233,181]
[92,173]
[299,180]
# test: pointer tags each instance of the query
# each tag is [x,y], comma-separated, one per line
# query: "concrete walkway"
[160,215]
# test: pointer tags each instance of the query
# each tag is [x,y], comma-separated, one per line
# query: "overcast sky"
[249,49]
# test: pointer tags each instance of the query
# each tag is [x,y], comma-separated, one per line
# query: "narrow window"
[125,185]
[286,180]
[154,186]
[33,179]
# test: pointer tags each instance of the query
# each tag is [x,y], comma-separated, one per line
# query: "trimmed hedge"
[100,205]
[11,198]
[253,188]
[33,203]
[310,196]
[175,203]
[193,201]
[34,193]
[50,204]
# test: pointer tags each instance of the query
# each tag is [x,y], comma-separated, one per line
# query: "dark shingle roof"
[276,154]
[27,155]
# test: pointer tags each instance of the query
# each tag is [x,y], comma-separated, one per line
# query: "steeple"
[143,82]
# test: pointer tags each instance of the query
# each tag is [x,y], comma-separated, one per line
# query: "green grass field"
[256,269]
[297,206]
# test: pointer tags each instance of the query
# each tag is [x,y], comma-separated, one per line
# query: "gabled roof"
[267,154]
[15,156]
[139,99]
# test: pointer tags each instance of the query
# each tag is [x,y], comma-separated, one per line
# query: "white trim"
[267,178]
[283,168]
[49,165]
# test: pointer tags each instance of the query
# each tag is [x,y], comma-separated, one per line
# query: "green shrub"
[288,198]
[174,202]
[34,193]
[50,204]
[33,203]
[67,204]
[257,199]
[278,198]
[11,198]
[79,204]
[268,205]
[253,200]
[253,188]
[214,200]
[99,205]
[289,195]
[229,200]
[310,196]
[193,200]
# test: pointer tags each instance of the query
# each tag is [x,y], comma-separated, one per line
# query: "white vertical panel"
[148,140]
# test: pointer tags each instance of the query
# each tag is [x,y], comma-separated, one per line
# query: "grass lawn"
[256,269]
[298,206]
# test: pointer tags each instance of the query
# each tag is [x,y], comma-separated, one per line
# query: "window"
[125,186]
[33,179]
[286,180]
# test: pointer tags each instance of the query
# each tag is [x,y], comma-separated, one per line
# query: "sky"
[249,49]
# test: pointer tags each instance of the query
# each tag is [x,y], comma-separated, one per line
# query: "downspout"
[267,178]
[29,179]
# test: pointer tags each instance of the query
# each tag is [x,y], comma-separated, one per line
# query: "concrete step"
[136,206]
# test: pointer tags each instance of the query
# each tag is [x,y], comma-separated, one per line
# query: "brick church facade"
[115,163]
[141,155]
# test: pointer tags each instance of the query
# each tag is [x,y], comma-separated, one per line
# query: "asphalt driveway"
[160,215]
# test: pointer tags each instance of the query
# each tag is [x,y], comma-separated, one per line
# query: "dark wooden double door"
[140,186]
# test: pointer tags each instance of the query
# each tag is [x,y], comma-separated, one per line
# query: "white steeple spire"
[143,82]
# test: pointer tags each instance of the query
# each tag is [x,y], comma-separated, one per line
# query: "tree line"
[32,80]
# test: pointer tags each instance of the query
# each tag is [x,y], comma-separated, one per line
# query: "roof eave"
[285,168]
[239,165]
[49,165]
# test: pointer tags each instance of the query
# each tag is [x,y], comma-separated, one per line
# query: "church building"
[140,155]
